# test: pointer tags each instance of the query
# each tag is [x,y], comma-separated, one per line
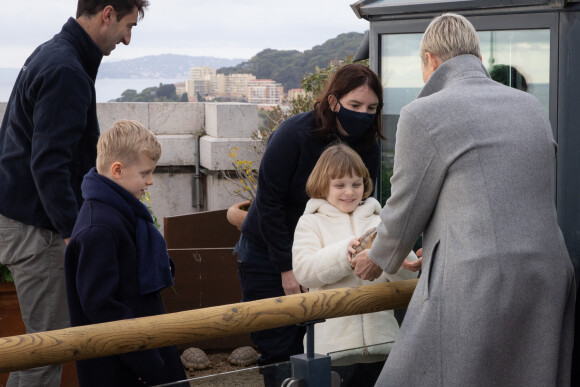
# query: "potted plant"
[245,181]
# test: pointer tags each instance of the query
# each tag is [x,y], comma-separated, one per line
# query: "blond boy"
[116,262]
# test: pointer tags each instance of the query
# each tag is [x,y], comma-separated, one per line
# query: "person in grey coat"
[474,172]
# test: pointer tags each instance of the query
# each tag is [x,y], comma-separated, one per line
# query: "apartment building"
[205,82]
[265,91]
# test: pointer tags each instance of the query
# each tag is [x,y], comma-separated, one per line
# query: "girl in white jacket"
[339,211]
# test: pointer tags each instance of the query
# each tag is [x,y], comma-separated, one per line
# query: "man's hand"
[290,285]
[364,268]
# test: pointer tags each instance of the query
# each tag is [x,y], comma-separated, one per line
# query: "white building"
[265,91]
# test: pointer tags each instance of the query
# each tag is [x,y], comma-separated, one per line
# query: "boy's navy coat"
[103,249]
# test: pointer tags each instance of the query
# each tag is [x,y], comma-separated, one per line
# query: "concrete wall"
[213,128]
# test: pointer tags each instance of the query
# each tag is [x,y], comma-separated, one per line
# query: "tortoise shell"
[243,356]
[366,240]
[195,359]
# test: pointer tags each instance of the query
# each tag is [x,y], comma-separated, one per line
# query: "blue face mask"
[355,124]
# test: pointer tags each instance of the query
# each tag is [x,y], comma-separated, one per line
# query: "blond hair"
[126,141]
[448,36]
[336,162]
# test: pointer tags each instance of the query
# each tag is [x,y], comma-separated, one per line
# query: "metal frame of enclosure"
[558,21]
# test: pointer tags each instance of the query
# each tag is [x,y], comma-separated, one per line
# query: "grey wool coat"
[474,172]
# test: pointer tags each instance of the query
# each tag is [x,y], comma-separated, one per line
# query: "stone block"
[177,149]
[214,152]
[109,112]
[171,194]
[176,117]
[220,194]
[223,120]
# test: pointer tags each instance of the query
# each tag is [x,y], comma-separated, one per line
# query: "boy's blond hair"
[336,162]
[126,141]
[448,36]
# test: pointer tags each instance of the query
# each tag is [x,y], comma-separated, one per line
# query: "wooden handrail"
[90,341]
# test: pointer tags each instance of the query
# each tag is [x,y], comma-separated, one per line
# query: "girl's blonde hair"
[336,162]
[126,141]
[448,36]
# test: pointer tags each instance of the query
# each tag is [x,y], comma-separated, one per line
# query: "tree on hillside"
[127,96]
[162,93]
[166,92]
[288,67]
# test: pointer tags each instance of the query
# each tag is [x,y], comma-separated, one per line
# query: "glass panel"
[275,374]
[519,58]
[402,81]
[380,348]
[515,57]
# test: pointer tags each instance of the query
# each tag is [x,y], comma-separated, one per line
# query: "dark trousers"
[259,280]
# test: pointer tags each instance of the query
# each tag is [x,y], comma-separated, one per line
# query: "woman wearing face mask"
[348,111]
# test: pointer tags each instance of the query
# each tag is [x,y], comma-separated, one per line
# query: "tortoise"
[243,356]
[366,240]
[195,359]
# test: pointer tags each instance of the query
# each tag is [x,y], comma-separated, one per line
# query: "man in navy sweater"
[48,143]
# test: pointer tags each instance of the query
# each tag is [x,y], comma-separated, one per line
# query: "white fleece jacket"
[319,259]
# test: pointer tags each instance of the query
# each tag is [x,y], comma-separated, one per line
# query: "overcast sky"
[220,28]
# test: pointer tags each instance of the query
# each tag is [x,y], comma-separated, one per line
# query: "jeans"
[35,256]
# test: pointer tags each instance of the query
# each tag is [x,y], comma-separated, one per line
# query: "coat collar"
[452,70]
[368,207]
[90,55]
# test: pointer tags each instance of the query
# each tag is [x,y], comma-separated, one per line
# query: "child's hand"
[352,251]
[414,265]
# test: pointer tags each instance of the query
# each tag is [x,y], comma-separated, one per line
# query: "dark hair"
[336,162]
[346,79]
[509,76]
[122,7]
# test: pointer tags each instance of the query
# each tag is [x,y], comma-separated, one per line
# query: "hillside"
[284,66]
[288,67]
[165,66]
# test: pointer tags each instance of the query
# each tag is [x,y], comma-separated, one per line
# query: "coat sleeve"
[418,176]
[277,169]
[315,265]
[404,274]
[60,119]
[97,277]
[97,280]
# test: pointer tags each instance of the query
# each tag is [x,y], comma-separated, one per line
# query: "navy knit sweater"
[49,132]
[292,151]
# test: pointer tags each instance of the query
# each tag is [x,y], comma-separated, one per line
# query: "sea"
[108,89]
